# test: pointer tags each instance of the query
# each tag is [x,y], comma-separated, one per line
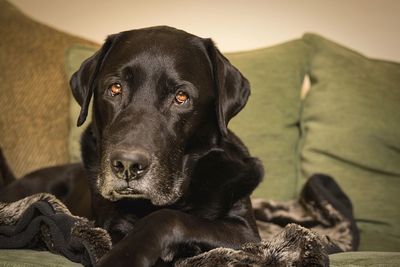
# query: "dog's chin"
[160,200]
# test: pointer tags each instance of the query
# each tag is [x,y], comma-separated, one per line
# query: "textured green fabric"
[33,258]
[351,130]
[268,124]
[31,84]
[74,57]
[34,98]
[367,258]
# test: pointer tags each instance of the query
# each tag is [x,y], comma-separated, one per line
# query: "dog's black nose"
[129,165]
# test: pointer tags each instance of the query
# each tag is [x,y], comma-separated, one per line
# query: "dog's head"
[161,97]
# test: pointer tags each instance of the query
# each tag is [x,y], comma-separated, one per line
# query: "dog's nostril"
[137,168]
[118,165]
[118,168]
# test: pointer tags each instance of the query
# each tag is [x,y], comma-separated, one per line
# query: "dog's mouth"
[128,192]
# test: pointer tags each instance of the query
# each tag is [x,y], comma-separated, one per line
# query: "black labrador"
[167,178]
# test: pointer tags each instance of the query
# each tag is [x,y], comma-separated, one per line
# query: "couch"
[316,107]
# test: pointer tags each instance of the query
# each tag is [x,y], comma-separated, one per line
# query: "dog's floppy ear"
[82,81]
[233,89]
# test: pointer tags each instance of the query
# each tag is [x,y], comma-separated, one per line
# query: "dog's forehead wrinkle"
[162,55]
[142,64]
[152,61]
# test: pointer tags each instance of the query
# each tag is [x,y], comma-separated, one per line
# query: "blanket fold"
[42,222]
[322,207]
[301,232]
[294,246]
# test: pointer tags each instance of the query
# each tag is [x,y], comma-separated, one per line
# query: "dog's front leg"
[163,233]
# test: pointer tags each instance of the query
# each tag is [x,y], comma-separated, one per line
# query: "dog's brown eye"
[115,89]
[181,97]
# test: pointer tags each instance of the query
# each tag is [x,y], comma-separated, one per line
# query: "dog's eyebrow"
[125,72]
[111,78]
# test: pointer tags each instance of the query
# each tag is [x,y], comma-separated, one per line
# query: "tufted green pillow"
[351,131]
[268,124]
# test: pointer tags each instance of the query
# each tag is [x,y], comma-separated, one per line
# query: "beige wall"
[369,26]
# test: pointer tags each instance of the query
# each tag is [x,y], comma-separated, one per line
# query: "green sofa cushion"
[351,130]
[365,258]
[33,258]
[268,124]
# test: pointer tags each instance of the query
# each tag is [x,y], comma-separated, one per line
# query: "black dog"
[168,179]
[167,175]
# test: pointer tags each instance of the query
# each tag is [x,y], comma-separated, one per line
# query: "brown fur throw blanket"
[42,222]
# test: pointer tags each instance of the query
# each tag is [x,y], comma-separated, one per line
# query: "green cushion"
[33,258]
[74,57]
[351,130]
[368,258]
[268,124]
